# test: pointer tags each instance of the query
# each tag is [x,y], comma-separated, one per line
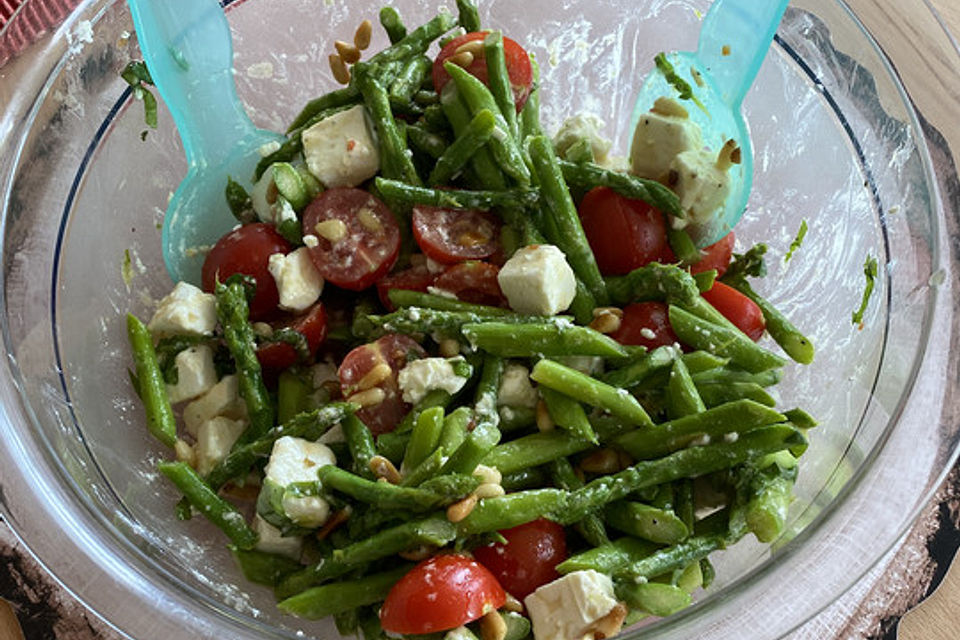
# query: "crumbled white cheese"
[185,310]
[566,608]
[583,126]
[537,280]
[421,376]
[516,390]
[297,460]
[341,150]
[223,399]
[196,373]
[271,541]
[298,281]
[215,438]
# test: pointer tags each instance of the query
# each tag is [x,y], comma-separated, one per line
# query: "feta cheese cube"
[297,460]
[271,540]
[537,280]
[516,390]
[566,608]
[658,139]
[196,374]
[424,375]
[185,310]
[700,184]
[215,438]
[341,150]
[298,281]
[223,399]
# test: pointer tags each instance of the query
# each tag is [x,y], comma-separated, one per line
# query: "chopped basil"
[797,241]
[870,272]
[138,76]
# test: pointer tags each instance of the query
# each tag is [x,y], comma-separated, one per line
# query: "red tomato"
[413,279]
[450,235]
[737,308]
[474,282]
[312,323]
[716,256]
[646,324]
[624,234]
[370,244]
[518,66]
[528,559]
[441,593]
[395,351]
[247,250]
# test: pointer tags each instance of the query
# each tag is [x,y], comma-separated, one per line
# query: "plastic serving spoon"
[187,47]
[734,39]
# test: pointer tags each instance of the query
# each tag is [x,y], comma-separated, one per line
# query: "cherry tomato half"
[312,324]
[646,324]
[624,234]
[451,235]
[737,308]
[474,282]
[528,559]
[395,351]
[518,66]
[247,250]
[716,256]
[440,593]
[413,279]
[366,244]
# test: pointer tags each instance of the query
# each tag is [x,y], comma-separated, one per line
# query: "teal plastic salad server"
[188,50]
[734,39]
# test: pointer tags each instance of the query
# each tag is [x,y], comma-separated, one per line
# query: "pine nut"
[493,627]
[610,624]
[606,319]
[334,521]
[333,229]
[462,59]
[418,553]
[601,461]
[696,76]
[512,604]
[474,48]
[460,510]
[383,468]
[488,474]
[185,452]
[544,421]
[339,69]
[262,329]
[369,220]
[489,490]
[729,155]
[362,37]
[368,398]
[375,376]
[349,53]
[669,107]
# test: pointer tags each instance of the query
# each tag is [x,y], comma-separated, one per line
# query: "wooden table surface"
[914,598]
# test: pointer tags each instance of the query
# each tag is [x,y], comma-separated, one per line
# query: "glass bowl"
[849,118]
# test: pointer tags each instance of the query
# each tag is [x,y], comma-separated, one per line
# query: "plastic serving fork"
[734,39]
[187,47]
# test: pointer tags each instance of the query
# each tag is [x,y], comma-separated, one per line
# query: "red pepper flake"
[351,144]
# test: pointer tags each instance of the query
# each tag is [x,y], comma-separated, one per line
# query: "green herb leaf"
[870,270]
[137,75]
[670,75]
[797,241]
[749,263]
[239,201]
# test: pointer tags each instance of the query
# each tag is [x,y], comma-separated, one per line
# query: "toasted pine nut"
[512,604]
[368,398]
[185,452]
[696,76]
[333,229]
[726,156]
[725,50]
[368,220]
[460,510]
[449,348]
[488,474]
[544,421]
[334,521]
[610,624]
[348,53]
[669,107]
[421,552]
[362,37]
[492,627]
[383,468]
[339,69]
[601,461]
[375,376]
[262,329]
[489,490]
[474,48]
[462,59]
[606,319]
